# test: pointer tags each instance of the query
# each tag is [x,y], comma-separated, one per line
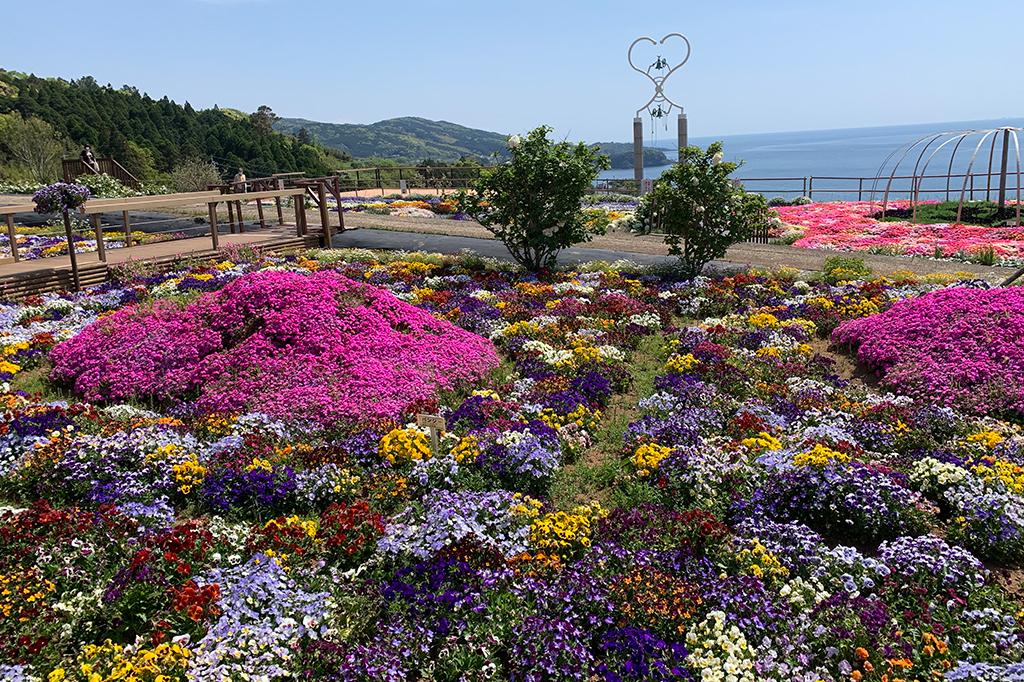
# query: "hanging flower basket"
[60,197]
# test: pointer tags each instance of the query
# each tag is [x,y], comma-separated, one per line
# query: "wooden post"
[259,211]
[127,229]
[101,250]
[71,251]
[13,236]
[357,183]
[277,200]
[241,220]
[231,217]
[299,202]
[337,196]
[860,189]
[213,225]
[325,216]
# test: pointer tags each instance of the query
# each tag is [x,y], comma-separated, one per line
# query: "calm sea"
[851,152]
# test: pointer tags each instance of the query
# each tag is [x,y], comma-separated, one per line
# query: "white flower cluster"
[646,320]
[549,355]
[719,653]
[930,475]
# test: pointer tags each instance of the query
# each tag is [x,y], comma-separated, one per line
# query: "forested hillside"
[134,127]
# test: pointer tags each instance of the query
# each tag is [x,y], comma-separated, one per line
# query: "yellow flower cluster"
[819,456]
[8,367]
[989,439]
[188,474]
[225,265]
[1011,475]
[681,363]
[20,591]
[761,442]
[821,302]
[404,445]
[108,662]
[648,456]
[759,562]
[466,450]
[582,416]
[309,527]
[527,506]
[259,463]
[763,321]
[564,533]
[768,352]
[857,307]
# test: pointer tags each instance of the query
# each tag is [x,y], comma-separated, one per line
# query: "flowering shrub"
[960,347]
[317,346]
[60,197]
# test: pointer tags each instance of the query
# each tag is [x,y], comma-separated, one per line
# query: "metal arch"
[924,170]
[915,181]
[658,81]
[888,185]
[952,158]
[970,167]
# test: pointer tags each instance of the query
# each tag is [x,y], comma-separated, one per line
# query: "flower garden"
[215,474]
[850,226]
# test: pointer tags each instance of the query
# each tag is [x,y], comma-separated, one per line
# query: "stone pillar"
[638,150]
[681,123]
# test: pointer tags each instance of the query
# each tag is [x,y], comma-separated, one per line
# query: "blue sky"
[508,66]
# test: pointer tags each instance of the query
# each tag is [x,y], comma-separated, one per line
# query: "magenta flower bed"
[318,346]
[848,226]
[959,347]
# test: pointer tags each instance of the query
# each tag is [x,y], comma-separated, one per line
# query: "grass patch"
[984,213]
[593,476]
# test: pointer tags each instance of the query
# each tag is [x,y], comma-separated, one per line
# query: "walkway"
[450,236]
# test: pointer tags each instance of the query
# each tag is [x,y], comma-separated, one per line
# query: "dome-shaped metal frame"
[957,138]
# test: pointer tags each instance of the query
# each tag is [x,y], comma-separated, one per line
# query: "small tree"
[263,119]
[700,210]
[193,175]
[532,202]
[34,143]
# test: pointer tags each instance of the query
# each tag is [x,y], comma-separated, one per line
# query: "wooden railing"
[73,168]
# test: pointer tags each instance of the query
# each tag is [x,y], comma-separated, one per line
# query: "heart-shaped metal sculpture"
[659,78]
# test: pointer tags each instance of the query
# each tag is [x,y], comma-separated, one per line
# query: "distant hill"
[411,139]
[407,138]
[621,155]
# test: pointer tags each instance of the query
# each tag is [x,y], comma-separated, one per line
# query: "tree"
[304,137]
[193,175]
[34,143]
[700,210]
[263,119]
[532,202]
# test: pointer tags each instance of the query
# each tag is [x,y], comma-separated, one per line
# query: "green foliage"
[138,160]
[700,210]
[82,111]
[532,203]
[844,268]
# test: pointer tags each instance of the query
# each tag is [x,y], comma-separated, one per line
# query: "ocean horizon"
[844,152]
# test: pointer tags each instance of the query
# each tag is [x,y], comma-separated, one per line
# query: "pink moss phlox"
[960,347]
[844,226]
[318,346]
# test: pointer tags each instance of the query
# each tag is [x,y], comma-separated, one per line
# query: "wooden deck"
[27,277]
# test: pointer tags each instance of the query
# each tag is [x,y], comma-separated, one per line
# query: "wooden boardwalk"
[26,277]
